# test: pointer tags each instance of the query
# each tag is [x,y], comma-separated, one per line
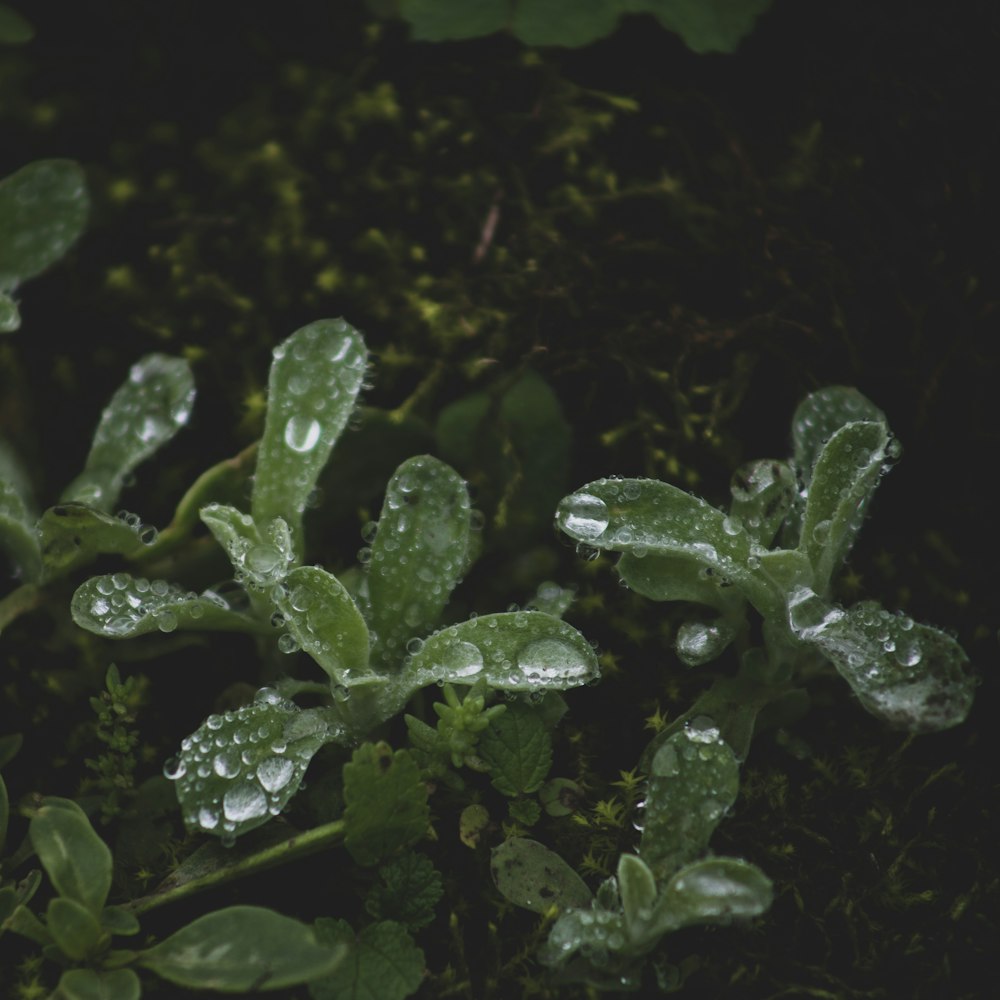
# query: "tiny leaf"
[143,415]
[241,768]
[637,887]
[517,749]
[75,858]
[511,651]
[120,606]
[381,962]
[694,779]
[261,554]
[90,984]
[418,555]
[242,948]
[763,493]
[43,209]
[73,927]
[409,888]
[386,803]
[314,383]
[324,620]
[532,876]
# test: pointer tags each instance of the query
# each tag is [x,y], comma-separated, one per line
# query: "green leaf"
[22,921]
[564,22]
[705,25]
[89,984]
[74,857]
[242,948]
[242,767]
[150,407]
[14,29]
[118,920]
[671,578]
[527,812]
[418,555]
[694,779]
[530,875]
[637,886]
[73,927]
[4,815]
[441,20]
[820,415]
[43,209]
[844,478]
[9,747]
[10,317]
[764,493]
[645,517]
[712,891]
[315,379]
[18,535]
[326,623]
[261,554]
[517,749]
[73,535]
[408,889]
[120,606]
[386,803]
[512,651]
[382,962]
[913,676]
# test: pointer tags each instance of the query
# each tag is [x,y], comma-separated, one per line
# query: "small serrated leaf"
[242,948]
[381,962]
[418,555]
[146,411]
[532,876]
[517,749]
[408,890]
[314,383]
[386,803]
[120,606]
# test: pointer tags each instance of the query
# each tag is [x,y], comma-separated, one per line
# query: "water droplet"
[584,516]
[302,433]
[545,661]
[243,802]
[463,659]
[274,773]
[174,768]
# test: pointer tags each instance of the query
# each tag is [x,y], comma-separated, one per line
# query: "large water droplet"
[274,773]
[464,659]
[302,433]
[244,802]
[548,660]
[584,516]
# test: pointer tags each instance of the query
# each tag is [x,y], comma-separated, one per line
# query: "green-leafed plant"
[375,641]
[704,25]
[43,208]
[789,527]
[232,950]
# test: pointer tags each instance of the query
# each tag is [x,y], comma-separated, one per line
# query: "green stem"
[299,846]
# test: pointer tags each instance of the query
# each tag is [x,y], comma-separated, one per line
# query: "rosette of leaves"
[602,938]
[378,642]
[43,207]
[676,547]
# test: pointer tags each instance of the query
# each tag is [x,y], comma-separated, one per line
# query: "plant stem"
[179,886]
[27,597]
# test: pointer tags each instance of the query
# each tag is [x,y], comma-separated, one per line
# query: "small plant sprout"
[775,551]
[378,642]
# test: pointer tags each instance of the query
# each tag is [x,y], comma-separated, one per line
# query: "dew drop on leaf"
[584,516]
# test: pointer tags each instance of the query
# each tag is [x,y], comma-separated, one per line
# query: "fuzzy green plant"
[378,638]
[759,578]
